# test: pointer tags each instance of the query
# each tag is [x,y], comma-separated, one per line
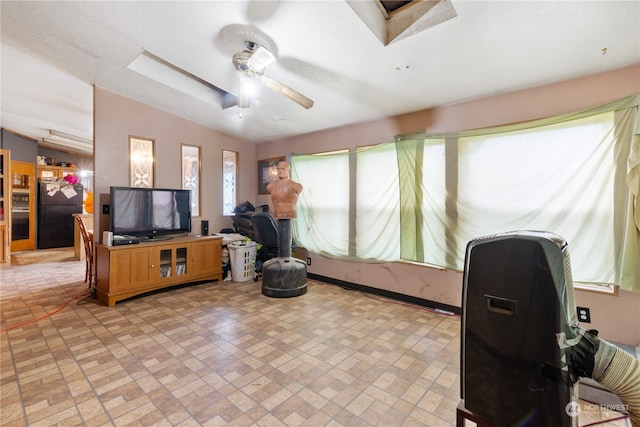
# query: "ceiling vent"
[391,6]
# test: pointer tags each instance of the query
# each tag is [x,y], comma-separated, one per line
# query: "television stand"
[162,238]
[129,270]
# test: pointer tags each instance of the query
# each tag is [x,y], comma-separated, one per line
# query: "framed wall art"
[267,172]
[141,162]
[190,155]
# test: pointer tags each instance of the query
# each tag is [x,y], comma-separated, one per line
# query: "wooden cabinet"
[55,173]
[129,270]
[23,206]
[205,257]
[5,206]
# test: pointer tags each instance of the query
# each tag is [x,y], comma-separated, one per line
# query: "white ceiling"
[53,52]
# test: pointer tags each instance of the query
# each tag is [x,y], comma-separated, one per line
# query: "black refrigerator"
[57,202]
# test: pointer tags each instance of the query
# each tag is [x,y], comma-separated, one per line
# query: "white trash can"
[243,260]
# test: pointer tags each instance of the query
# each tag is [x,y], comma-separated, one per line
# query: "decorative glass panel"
[191,175]
[141,162]
[229,178]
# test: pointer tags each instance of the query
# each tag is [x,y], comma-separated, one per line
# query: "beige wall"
[608,313]
[117,117]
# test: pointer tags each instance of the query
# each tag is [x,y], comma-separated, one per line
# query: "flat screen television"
[150,213]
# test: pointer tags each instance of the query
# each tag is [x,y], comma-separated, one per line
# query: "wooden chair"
[87,239]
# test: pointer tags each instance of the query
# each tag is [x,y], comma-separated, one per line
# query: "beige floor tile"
[218,354]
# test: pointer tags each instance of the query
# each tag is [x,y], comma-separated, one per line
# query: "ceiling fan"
[251,64]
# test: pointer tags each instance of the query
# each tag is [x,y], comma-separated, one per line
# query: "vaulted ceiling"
[356,61]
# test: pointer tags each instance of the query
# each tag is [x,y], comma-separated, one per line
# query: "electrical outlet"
[308,261]
[584,314]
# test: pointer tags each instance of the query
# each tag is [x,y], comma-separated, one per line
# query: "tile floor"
[219,354]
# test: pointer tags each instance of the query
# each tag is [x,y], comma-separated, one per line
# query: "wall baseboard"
[436,306]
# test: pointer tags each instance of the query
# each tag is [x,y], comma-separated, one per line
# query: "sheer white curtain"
[566,177]
[556,178]
[322,225]
[423,198]
[377,234]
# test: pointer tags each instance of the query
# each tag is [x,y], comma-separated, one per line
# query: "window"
[376,187]
[324,217]
[557,178]
[229,181]
[423,199]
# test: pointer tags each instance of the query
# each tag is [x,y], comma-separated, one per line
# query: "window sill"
[600,288]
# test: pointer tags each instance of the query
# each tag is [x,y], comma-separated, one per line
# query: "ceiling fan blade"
[287,91]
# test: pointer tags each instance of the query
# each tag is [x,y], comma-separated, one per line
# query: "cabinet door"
[47,174]
[4,255]
[205,258]
[131,270]
[55,173]
[23,206]
[5,206]
[172,262]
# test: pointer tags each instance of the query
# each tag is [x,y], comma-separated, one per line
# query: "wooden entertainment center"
[128,270]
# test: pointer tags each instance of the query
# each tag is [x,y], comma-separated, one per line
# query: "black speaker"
[517,306]
[204,227]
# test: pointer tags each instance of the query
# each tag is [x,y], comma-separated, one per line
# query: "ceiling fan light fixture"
[260,59]
[250,64]
[248,90]
[249,85]
[243,101]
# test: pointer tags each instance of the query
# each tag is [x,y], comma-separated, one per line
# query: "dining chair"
[87,239]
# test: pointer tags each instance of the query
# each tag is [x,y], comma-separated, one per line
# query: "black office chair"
[242,224]
[266,234]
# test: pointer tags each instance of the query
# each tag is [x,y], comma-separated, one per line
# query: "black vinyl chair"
[243,224]
[266,234]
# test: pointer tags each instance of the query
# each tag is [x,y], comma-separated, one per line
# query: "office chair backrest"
[265,228]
